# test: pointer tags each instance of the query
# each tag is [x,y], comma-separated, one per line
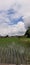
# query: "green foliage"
[28,32]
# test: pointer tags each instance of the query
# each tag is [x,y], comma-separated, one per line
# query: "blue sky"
[14,17]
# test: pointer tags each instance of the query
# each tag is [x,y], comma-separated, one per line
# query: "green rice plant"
[15,54]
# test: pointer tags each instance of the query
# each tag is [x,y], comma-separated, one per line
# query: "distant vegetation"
[28,32]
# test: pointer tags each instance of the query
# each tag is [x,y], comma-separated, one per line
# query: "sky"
[14,17]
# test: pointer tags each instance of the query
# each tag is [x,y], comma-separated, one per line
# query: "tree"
[28,32]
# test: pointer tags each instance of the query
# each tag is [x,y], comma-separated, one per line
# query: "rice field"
[4,42]
[15,50]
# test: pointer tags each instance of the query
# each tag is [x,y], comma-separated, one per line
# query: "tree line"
[28,32]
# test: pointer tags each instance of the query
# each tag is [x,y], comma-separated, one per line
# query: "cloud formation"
[14,17]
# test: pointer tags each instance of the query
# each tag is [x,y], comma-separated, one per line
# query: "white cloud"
[16,29]
[3,29]
[21,8]
[6,4]
[27,21]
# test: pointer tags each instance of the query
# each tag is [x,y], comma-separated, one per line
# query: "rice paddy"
[15,50]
